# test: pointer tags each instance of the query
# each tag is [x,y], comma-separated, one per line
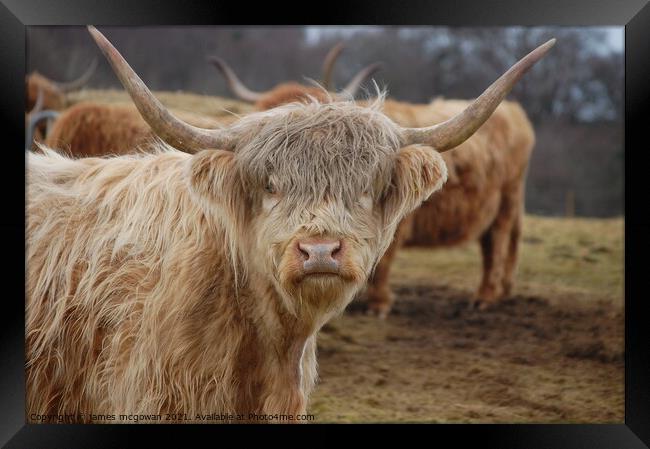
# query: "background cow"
[483,198]
[95,129]
[289,91]
[53,91]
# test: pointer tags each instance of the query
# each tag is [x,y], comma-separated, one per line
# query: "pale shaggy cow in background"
[181,283]
[482,200]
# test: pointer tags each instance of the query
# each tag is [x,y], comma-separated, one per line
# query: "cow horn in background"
[34,120]
[451,133]
[328,64]
[38,104]
[365,73]
[236,86]
[79,82]
[169,128]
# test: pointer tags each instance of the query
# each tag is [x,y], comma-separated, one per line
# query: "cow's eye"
[366,200]
[270,188]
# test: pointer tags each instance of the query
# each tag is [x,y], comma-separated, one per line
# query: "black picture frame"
[634,15]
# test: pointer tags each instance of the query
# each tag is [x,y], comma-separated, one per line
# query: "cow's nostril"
[337,249]
[303,251]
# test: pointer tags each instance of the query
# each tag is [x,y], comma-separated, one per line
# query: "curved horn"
[328,64]
[359,78]
[34,119]
[79,82]
[38,104]
[236,86]
[451,133]
[175,132]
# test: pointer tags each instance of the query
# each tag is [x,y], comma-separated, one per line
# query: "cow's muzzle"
[320,255]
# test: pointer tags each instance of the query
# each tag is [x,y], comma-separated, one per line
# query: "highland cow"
[53,91]
[92,129]
[196,283]
[483,198]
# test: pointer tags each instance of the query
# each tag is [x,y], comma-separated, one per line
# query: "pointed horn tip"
[215,60]
[541,51]
[220,64]
[546,46]
[110,52]
[97,36]
[338,47]
[92,30]
[376,66]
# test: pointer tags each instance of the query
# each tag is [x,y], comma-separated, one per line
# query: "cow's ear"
[215,182]
[418,172]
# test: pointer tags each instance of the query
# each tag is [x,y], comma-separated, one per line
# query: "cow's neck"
[283,332]
[278,324]
[286,347]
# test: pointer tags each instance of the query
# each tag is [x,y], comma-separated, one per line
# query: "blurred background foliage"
[574,96]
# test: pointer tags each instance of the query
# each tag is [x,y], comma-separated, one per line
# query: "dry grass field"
[195,103]
[552,353]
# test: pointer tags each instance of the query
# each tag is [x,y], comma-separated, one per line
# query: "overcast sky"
[313,34]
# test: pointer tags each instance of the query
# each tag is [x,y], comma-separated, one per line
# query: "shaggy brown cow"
[91,129]
[483,198]
[291,91]
[54,92]
[172,282]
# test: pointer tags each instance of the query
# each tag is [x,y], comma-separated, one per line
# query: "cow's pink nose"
[320,256]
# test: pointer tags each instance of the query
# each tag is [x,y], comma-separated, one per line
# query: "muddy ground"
[556,355]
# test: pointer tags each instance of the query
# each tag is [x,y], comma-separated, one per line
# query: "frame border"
[15,15]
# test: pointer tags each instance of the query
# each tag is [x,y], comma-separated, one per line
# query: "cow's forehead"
[317,147]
